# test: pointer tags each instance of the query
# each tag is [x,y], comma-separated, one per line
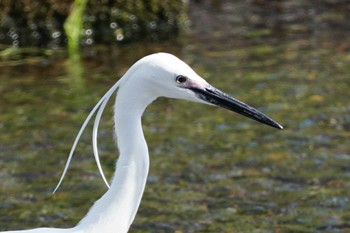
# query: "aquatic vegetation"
[34,23]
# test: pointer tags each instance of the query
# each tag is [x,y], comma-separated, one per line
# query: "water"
[211,170]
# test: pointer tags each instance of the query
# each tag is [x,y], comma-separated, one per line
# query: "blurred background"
[211,170]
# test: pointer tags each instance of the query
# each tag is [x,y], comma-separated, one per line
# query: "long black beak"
[216,97]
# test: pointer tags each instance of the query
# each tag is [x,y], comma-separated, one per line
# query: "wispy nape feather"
[100,106]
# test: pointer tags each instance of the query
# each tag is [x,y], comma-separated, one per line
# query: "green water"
[211,170]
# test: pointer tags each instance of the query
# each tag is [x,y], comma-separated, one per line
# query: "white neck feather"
[116,209]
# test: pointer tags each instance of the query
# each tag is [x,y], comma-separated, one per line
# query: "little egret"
[156,75]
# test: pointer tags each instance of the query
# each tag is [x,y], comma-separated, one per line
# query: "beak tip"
[277,126]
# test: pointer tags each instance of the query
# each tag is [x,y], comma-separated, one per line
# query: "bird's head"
[163,74]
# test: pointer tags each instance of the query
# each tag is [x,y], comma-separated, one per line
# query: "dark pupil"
[181,79]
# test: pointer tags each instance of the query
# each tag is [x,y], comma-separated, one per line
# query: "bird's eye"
[181,79]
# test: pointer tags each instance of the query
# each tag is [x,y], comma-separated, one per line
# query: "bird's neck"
[116,209]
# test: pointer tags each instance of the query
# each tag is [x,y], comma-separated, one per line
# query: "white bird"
[156,75]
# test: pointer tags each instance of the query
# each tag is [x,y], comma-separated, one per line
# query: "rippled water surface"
[211,170]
